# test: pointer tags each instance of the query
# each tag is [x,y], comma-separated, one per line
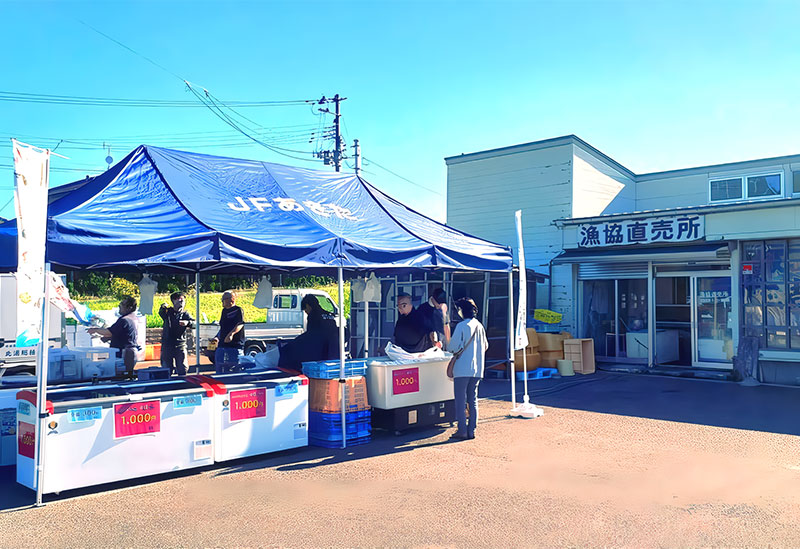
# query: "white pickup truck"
[285,320]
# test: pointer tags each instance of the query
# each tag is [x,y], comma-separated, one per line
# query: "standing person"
[434,317]
[409,332]
[122,334]
[320,341]
[177,322]
[469,339]
[230,337]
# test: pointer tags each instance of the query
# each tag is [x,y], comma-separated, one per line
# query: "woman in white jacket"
[469,339]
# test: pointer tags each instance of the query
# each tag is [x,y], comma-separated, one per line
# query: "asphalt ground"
[617,460]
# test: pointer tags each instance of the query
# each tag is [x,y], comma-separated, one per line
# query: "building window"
[749,187]
[771,292]
[796,182]
[759,186]
[726,189]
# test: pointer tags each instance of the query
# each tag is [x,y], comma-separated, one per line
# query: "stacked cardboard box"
[324,395]
[551,348]
[534,359]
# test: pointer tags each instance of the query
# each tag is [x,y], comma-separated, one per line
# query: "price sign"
[248,404]
[78,415]
[187,401]
[287,389]
[405,381]
[26,440]
[137,418]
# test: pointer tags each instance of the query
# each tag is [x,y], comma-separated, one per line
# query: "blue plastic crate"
[336,418]
[329,369]
[329,426]
[338,443]
[539,373]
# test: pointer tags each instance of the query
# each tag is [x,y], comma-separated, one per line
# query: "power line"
[20,97]
[400,176]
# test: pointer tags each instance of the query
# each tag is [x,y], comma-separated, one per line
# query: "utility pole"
[337,151]
[357,147]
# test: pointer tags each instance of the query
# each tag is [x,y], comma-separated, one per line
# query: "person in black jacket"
[177,322]
[409,330]
[320,341]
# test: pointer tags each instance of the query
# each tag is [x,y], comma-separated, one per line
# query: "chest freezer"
[107,433]
[397,384]
[259,413]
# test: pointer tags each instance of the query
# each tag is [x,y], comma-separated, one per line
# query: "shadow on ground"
[716,403]
[14,496]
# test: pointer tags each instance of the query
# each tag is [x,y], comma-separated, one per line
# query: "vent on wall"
[610,271]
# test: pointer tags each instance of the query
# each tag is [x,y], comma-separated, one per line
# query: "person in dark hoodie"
[320,341]
[409,330]
[177,322]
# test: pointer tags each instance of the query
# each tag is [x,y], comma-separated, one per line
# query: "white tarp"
[32,168]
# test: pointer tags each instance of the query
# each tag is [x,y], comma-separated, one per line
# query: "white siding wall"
[599,188]
[672,192]
[484,193]
[754,224]
[676,191]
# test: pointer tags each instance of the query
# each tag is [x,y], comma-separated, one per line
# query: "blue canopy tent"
[162,210]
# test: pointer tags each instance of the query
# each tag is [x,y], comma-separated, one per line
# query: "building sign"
[655,230]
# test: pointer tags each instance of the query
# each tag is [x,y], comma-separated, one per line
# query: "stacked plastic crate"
[325,407]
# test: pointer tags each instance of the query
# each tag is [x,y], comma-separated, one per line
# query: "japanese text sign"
[405,381]
[137,418]
[248,404]
[642,231]
[26,439]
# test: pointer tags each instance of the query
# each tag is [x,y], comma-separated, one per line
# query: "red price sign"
[26,438]
[248,404]
[137,418]
[405,381]
[747,269]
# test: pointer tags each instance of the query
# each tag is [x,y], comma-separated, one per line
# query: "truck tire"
[253,347]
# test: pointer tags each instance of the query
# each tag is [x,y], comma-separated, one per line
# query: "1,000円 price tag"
[248,404]
[137,418]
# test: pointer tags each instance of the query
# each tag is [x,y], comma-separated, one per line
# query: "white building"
[667,269]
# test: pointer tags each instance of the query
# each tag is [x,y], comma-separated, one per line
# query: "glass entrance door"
[693,320]
[713,335]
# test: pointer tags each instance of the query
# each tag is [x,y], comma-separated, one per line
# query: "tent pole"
[512,369]
[342,384]
[366,329]
[197,320]
[41,386]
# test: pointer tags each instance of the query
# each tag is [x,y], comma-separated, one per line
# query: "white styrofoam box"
[283,425]
[86,452]
[394,384]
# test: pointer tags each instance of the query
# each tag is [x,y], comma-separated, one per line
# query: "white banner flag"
[521,334]
[32,170]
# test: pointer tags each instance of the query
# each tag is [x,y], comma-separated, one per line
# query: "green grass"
[211,304]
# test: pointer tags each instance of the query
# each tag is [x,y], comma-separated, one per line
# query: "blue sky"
[655,85]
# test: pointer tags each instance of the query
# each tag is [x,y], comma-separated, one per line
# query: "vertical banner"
[521,334]
[32,169]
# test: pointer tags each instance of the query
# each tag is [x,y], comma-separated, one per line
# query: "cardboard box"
[534,360]
[533,338]
[551,358]
[324,395]
[581,353]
